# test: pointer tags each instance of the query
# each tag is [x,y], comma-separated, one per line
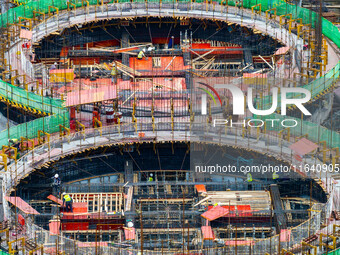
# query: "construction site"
[183,127]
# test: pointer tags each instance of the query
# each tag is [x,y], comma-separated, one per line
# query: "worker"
[14,143]
[249,177]
[114,69]
[275,176]
[56,180]
[141,54]
[67,200]
[129,223]
[150,178]
[114,72]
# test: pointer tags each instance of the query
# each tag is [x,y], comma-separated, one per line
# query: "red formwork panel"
[239,242]
[200,188]
[167,64]
[79,207]
[215,213]
[75,226]
[230,208]
[244,211]
[208,233]
[54,227]
[55,199]
[109,226]
[22,205]
[130,233]
[222,50]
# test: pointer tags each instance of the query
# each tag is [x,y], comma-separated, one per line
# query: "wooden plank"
[116,207]
[288,207]
[168,189]
[277,204]
[129,199]
[151,190]
[258,200]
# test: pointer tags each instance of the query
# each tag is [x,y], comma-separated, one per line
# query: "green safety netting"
[315,132]
[30,129]
[335,252]
[29,99]
[316,87]
[282,8]
[3,252]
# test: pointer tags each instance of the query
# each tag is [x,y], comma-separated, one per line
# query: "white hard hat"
[64,193]
[144,49]
[55,63]
[56,175]
[130,224]
[151,174]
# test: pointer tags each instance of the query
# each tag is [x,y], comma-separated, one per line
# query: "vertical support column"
[188,75]
[125,57]
[5,5]
[2,209]
[128,171]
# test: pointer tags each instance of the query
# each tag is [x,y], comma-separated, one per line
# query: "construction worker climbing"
[67,200]
[249,177]
[141,54]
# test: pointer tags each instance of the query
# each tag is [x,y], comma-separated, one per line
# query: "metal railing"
[57,147]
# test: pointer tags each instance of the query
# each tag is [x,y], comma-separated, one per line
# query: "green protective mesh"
[30,129]
[29,99]
[282,8]
[335,252]
[316,87]
[3,252]
[315,132]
